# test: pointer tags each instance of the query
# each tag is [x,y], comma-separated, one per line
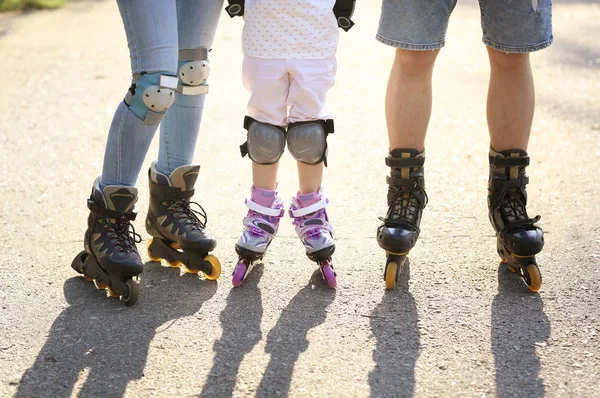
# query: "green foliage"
[9,5]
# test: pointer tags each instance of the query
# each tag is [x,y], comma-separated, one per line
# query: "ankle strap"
[267,211]
[295,213]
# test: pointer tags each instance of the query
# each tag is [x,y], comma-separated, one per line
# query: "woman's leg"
[197,23]
[151,29]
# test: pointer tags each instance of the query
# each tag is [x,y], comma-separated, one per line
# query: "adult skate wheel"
[152,258]
[100,285]
[391,275]
[112,293]
[132,293]
[329,274]
[239,273]
[533,278]
[88,278]
[192,271]
[173,263]
[216,267]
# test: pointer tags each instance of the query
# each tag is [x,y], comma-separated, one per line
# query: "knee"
[503,61]
[415,62]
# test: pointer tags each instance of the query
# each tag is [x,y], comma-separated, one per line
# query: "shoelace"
[515,210]
[181,208]
[122,234]
[413,203]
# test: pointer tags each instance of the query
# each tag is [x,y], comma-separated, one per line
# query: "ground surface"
[460,326]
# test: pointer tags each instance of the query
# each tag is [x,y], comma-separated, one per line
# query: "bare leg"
[310,177]
[511,100]
[408,98]
[264,176]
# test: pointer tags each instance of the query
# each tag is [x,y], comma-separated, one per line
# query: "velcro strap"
[521,161]
[329,127]
[96,209]
[404,162]
[267,211]
[400,182]
[321,204]
[312,224]
[244,148]
[176,193]
[248,121]
[516,183]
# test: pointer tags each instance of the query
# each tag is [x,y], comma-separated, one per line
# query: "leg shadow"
[518,324]
[394,322]
[287,340]
[102,344]
[240,321]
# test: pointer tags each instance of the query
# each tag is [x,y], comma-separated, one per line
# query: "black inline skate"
[406,200]
[179,233]
[110,258]
[518,238]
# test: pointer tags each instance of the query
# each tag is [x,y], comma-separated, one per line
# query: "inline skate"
[179,232]
[406,200]
[315,232]
[110,258]
[265,209]
[518,239]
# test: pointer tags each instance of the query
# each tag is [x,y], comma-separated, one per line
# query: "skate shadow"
[395,324]
[518,324]
[100,344]
[287,340]
[240,321]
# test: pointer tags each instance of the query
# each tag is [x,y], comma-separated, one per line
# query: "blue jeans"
[156,30]
[511,26]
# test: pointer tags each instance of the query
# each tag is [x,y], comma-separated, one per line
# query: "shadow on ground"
[518,324]
[240,321]
[102,344]
[287,340]
[395,324]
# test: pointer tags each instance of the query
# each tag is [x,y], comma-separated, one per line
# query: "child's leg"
[268,83]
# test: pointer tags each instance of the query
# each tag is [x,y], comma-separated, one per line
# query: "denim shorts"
[512,26]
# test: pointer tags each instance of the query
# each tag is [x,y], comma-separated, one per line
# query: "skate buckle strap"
[321,204]
[312,224]
[404,162]
[96,209]
[267,211]
[263,225]
[504,184]
[521,161]
[400,182]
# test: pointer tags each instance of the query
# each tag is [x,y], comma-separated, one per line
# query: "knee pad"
[307,141]
[265,143]
[193,71]
[151,95]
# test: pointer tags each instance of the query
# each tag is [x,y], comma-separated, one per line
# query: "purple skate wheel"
[239,274]
[328,274]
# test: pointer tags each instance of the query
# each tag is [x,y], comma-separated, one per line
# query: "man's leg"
[511,100]
[408,98]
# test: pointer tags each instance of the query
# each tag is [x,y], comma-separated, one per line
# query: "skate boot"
[179,232]
[406,200]
[518,238]
[110,257]
[315,232]
[265,209]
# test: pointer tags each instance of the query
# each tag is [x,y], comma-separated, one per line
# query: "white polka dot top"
[290,29]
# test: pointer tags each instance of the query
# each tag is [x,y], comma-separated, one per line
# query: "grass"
[10,5]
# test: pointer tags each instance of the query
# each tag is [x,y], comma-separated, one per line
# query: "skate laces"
[182,209]
[406,204]
[122,235]
[515,210]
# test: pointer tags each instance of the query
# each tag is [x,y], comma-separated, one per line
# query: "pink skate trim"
[322,225]
[309,209]
[267,211]
[251,222]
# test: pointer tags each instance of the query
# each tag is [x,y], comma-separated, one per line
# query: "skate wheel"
[216,267]
[533,278]
[100,285]
[329,275]
[132,293]
[503,260]
[113,294]
[239,274]
[391,274]
[173,263]
[152,258]
[88,278]
[192,271]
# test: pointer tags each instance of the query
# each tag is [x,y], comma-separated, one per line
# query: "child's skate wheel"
[100,285]
[216,267]
[329,276]
[152,258]
[239,274]
[391,272]
[132,293]
[533,278]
